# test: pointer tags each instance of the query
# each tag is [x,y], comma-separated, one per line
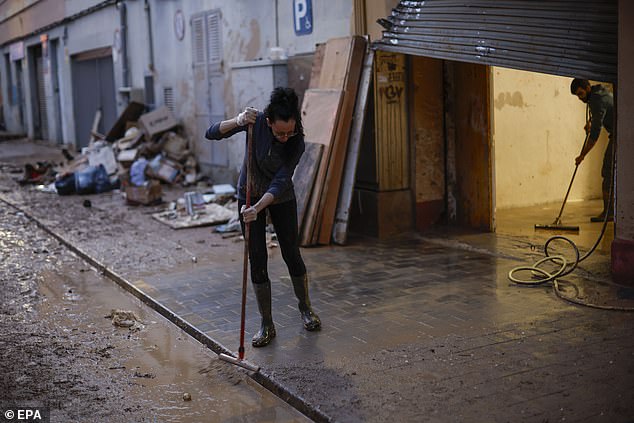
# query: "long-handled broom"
[245,267]
[557,225]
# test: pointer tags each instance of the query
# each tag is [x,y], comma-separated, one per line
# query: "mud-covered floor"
[60,352]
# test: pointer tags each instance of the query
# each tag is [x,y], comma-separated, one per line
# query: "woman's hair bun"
[284,96]
[283,104]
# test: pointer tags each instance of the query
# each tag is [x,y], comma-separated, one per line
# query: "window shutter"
[214,45]
[198,33]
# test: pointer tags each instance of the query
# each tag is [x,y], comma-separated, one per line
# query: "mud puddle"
[171,374]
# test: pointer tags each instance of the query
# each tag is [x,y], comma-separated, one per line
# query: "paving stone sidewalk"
[413,330]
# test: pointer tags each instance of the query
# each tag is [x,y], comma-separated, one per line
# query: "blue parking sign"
[303,16]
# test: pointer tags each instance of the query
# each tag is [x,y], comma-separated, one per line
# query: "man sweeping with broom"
[601,105]
[278,144]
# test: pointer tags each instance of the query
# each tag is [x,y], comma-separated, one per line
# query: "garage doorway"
[537,133]
[93,91]
[39,108]
[452,144]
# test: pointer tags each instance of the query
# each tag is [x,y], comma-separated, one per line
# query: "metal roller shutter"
[560,37]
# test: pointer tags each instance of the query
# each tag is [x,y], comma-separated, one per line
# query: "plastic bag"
[66,185]
[92,179]
[137,172]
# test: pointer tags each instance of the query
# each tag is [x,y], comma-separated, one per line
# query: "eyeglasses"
[283,134]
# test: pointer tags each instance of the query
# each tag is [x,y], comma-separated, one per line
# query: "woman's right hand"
[249,214]
[247,117]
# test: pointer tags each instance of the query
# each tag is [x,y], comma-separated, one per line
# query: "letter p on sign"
[303,16]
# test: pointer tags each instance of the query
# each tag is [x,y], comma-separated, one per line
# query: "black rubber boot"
[310,319]
[267,329]
[607,205]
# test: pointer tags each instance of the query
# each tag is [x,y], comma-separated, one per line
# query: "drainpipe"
[277,25]
[149,31]
[123,23]
[148,77]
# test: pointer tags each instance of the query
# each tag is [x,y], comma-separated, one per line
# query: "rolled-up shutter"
[560,37]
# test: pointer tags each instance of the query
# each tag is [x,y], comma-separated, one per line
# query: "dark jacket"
[274,162]
[601,104]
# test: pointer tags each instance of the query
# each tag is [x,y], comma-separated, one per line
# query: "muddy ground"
[76,373]
[462,374]
[61,351]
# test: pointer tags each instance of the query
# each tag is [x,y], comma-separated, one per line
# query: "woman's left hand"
[249,214]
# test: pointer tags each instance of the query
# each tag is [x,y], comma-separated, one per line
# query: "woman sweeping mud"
[278,144]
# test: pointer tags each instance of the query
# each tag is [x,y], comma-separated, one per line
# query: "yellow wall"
[537,133]
[375,9]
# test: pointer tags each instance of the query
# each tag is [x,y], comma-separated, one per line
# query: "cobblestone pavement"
[414,329]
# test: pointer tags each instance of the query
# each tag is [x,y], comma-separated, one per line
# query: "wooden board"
[131,114]
[333,73]
[332,184]
[340,228]
[335,63]
[318,60]
[320,112]
[304,177]
[474,175]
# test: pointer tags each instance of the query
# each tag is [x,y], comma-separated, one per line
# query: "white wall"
[538,132]
[248,32]
[330,19]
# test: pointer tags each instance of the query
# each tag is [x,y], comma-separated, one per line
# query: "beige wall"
[537,133]
[21,17]
[625,126]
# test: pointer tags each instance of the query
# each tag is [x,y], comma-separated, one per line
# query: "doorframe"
[473,192]
[56,88]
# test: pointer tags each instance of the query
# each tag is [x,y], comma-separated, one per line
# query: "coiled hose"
[541,276]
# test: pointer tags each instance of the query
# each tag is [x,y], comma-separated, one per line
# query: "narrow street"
[392,210]
[414,328]
[59,350]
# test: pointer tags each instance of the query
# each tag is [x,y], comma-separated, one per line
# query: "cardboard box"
[167,171]
[101,153]
[146,195]
[127,157]
[156,122]
[175,146]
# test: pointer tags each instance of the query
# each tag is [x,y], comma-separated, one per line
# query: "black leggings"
[608,167]
[284,218]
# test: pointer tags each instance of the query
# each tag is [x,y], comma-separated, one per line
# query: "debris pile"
[152,151]
[139,153]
